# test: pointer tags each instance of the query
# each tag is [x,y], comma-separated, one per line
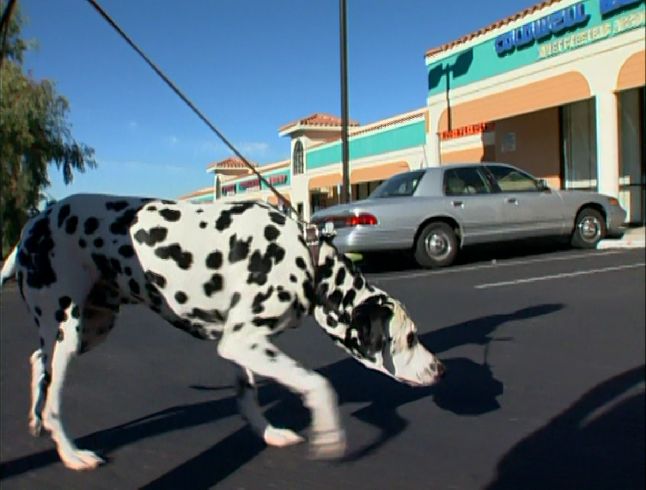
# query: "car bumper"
[616,221]
[368,238]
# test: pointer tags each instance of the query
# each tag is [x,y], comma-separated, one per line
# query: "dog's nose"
[441,370]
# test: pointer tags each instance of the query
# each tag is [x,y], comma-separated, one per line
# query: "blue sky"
[250,65]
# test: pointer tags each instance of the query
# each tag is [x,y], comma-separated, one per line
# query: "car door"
[529,207]
[471,200]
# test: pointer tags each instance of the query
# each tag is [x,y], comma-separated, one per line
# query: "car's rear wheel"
[436,246]
[589,229]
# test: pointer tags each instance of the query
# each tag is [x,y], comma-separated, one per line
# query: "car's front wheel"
[589,229]
[436,246]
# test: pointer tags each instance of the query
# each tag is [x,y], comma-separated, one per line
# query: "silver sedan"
[436,211]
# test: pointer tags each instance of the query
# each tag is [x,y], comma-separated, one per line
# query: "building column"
[607,143]
[216,186]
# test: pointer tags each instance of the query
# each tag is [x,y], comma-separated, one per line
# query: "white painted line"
[494,264]
[558,276]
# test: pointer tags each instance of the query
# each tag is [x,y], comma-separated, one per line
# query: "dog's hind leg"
[65,348]
[39,384]
[250,348]
[248,405]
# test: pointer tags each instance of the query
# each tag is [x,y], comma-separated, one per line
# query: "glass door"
[632,173]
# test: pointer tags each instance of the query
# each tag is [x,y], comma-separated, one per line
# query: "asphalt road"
[545,390]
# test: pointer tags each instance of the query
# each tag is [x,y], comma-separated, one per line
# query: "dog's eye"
[411,339]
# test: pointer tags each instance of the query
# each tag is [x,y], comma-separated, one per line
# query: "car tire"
[436,246]
[589,229]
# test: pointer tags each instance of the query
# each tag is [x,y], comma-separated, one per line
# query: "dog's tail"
[9,266]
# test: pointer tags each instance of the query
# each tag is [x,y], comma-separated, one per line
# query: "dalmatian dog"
[236,273]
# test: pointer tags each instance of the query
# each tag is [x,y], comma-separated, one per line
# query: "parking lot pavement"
[544,390]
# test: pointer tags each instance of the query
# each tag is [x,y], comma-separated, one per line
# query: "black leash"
[188,102]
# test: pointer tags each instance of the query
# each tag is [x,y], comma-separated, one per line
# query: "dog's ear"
[370,319]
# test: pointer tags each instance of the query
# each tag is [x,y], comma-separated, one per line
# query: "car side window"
[511,180]
[465,181]
[400,185]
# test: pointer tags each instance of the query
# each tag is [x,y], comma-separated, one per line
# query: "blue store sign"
[543,28]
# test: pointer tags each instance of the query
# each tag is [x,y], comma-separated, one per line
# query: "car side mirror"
[542,186]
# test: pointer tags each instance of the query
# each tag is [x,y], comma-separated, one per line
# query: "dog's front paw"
[281,437]
[81,460]
[327,445]
[35,427]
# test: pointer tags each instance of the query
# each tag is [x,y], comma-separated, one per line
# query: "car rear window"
[398,185]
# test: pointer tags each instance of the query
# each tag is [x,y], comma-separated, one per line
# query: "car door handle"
[512,200]
[458,204]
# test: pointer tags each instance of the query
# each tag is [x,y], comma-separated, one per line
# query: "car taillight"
[361,219]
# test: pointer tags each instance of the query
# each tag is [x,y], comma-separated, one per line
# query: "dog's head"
[382,336]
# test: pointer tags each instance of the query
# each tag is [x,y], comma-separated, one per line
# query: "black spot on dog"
[103,265]
[214,260]
[128,271]
[202,224]
[38,311]
[63,213]
[98,243]
[76,313]
[277,217]
[180,297]
[213,285]
[411,340]
[300,263]
[284,296]
[335,298]
[153,236]
[121,225]
[59,335]
[271,233]
[155,278]
[208,316]
[238,326]
[116,265]
[358,283]
[340,277]
[34,256]
[235,298]
[116,205]
[60,316]
[271,354]
[258,267]
[135,289]
[151,208]
[170,214]
[64,302]
[270,322]
[90,225]
[199,210]
[71,224]
[182,259]
[82,243]
[259,299]
[292,278]
[126,251]
[225,220]
[238,249]
[349,297]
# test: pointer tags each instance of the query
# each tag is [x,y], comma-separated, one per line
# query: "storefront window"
[632,170]
[298,158]
[579,145]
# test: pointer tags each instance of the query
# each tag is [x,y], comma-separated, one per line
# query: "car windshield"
[398,185]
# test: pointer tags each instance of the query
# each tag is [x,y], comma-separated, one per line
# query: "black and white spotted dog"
[236,272]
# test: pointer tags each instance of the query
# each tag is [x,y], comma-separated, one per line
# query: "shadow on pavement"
[469,388]
[597,443]
[401,261]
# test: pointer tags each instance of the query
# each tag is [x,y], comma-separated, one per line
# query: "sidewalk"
[633,238]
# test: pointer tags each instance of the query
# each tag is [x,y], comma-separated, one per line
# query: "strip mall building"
[557,89]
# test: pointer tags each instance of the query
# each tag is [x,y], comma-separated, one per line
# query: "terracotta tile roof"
[318,119]
[491,27]
[230,163]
